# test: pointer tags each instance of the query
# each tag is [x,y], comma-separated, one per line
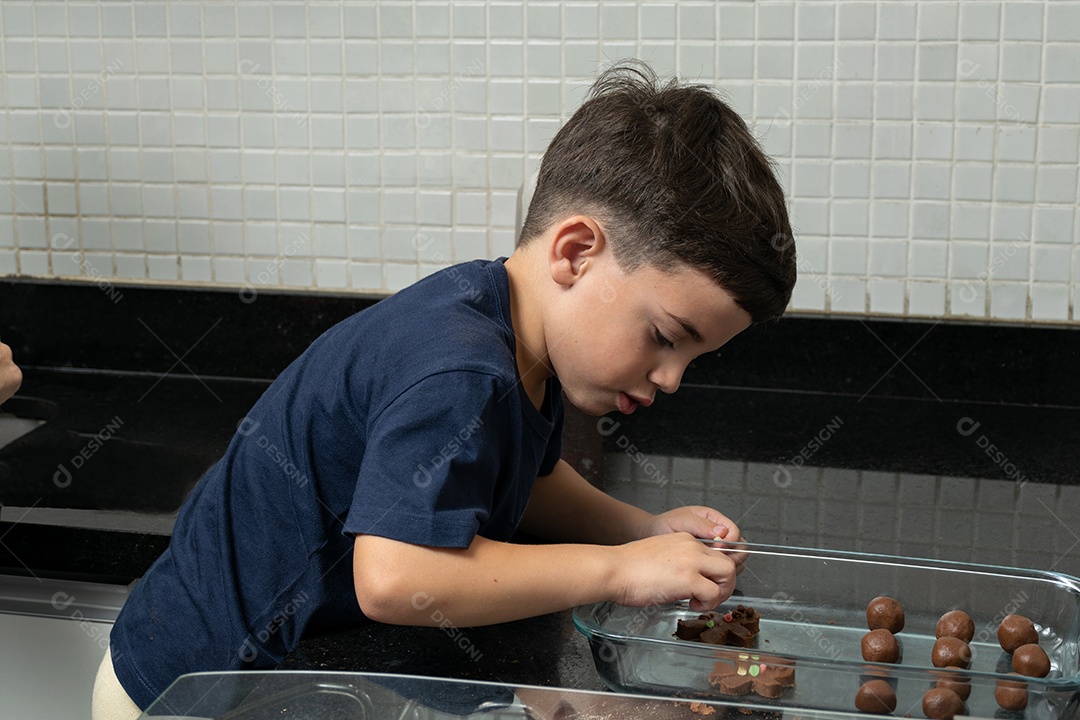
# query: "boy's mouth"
[629,403]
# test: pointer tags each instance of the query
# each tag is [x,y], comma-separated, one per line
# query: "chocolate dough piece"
[875,696]
[1016,630]
[886,613]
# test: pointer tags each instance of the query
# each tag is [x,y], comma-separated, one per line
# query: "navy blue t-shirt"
[407,421]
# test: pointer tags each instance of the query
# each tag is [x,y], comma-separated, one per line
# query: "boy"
[421,432]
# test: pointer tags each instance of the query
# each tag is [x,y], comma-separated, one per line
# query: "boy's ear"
[575,244]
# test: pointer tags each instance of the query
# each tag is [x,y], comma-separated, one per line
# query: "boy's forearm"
[489,582]
[565,507]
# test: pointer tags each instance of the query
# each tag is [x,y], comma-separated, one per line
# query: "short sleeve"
[433,460]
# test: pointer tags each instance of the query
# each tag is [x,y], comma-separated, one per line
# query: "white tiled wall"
[929,149]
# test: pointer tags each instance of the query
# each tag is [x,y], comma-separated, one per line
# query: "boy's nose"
[667,377]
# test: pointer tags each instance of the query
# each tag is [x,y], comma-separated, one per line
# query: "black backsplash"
[235,333]
[217,332]
[948,360]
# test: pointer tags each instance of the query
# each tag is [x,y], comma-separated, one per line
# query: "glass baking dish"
[307,695]
[812,605]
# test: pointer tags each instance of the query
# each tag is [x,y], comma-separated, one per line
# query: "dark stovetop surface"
[910,437]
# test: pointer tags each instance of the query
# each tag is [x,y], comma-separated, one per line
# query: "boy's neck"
[526,313]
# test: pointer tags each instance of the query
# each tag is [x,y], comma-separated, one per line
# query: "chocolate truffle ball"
[1016,630]
[957,624]
[885,613]
[956,682]
[950,651]
[1031,660]
[942,704]
[875,696]
[1010,694]
[880,646]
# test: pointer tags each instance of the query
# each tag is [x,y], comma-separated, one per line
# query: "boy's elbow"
[379,600]
[383,593]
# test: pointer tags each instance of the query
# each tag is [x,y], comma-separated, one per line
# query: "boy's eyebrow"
[686,325]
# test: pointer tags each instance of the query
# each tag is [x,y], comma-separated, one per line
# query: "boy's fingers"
[705,595]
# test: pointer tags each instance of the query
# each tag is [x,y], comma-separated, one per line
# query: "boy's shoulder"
[455,320]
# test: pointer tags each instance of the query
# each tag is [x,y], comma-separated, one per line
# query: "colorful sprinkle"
[729,617]
[754,671]
[709,623]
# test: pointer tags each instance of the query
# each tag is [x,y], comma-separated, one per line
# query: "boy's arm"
[492,582]
[565,507]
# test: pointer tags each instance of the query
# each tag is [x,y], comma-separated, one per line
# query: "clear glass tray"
[298,695]
[813,616]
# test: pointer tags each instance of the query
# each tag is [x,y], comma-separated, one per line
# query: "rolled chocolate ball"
[950,651]
[875,696]
[956,682]
[885,613]
[1016,630]
[957,624]
[880,646]
[942,704]
[1031,660]
[1011,694]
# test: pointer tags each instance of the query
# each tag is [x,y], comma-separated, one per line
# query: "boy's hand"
[10,375]
[674,566]
[701,522]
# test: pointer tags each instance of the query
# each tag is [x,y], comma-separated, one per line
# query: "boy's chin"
[594,407]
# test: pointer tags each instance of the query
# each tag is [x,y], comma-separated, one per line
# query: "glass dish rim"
[331,675]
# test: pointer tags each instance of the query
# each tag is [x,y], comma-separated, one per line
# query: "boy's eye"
[663,341]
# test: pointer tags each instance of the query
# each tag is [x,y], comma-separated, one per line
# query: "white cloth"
[111,701]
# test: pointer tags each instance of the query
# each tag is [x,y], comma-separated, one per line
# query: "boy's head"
[677,181]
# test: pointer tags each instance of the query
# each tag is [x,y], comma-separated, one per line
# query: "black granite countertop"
[923,438]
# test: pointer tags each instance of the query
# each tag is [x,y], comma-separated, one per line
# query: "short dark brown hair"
[675,177]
